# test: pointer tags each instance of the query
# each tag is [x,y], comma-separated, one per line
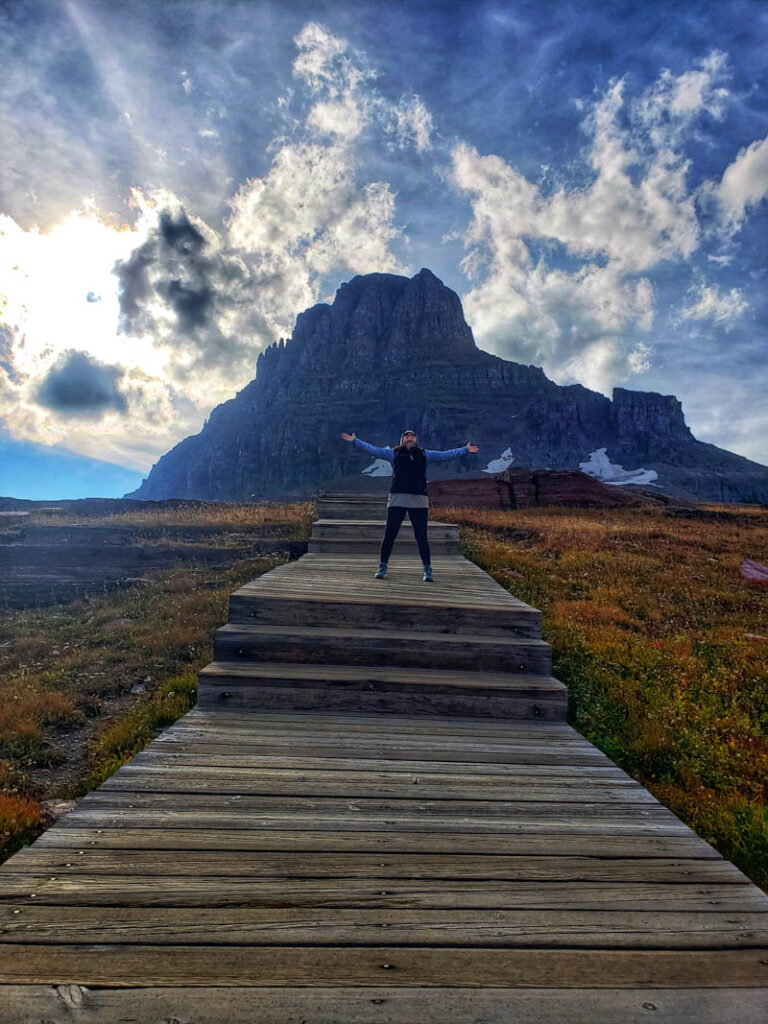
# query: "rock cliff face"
[391,353]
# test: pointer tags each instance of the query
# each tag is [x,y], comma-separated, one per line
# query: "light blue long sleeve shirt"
[389,453]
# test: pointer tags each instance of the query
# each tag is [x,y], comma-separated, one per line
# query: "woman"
[408,492]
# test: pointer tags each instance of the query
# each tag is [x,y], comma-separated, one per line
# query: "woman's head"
[408,438]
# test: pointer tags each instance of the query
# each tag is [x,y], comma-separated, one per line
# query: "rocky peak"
[428,324]
[647,423]
[375,322]
[648,410]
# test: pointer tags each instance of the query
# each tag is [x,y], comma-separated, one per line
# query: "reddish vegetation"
[525,488]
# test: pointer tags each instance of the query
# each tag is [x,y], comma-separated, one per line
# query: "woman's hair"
[413,434]
[402,448]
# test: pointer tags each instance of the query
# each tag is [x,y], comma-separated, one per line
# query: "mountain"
[392,352]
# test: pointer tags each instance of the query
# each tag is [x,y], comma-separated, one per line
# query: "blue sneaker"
[382,571]
[428,577]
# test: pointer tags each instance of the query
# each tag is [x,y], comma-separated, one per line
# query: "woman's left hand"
[472,448]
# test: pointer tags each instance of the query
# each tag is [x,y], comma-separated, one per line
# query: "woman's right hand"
[349,437]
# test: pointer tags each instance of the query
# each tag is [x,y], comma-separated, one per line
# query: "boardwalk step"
[373,512]
[373,507]
[366,530]
[371,611]
[360,546]
[371,689]
[345,536]
[332,645]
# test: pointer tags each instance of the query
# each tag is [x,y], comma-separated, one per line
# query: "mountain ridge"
[392,352]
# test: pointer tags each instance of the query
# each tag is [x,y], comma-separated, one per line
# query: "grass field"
[663,646]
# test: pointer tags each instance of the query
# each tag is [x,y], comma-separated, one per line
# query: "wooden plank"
[521,844]
[390,748]
[236,693]
[454,725]
[371,967]
[445,753]
[156,755]
[222,864]
[108,890]
[197,740]
[220,782]
[414,727]
[381,647]
[465,593]
[31,1004]
[446,809]
[361,724]
[145,817]
[479,783]
[340,743]
[433,678]
[288,926]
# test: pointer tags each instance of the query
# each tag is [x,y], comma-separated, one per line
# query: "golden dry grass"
[662,644]
[223,514]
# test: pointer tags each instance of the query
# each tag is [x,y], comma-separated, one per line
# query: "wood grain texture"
[383,1004]
[131,965]
[553,929]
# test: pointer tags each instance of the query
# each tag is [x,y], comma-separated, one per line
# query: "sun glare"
[60,292]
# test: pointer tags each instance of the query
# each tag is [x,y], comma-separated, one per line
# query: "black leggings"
[395,517]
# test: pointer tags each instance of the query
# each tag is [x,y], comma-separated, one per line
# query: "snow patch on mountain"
[503,462]
[379,467]
[600,466]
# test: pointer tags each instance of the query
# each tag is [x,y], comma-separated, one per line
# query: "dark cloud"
[79,385]
[201,284]
[192,304]
[180,234]
[172,265]
[134,284]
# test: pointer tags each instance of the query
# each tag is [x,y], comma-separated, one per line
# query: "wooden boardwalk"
[377,815]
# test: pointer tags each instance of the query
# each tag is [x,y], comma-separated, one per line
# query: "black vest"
[409,471]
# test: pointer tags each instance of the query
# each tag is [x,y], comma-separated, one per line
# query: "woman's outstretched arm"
[450,453]
[380,453]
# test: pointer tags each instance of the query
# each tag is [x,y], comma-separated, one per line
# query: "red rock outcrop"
[524,488]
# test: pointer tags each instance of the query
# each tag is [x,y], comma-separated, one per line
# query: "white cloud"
[639,358]
[350,102]
[322,60]
[707,302]
[409,122]
[668,108]
[571,322]
[744,183]
[558,278]
[310,214]
[306,217]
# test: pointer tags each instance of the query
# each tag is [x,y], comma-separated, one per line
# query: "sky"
[179,180]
